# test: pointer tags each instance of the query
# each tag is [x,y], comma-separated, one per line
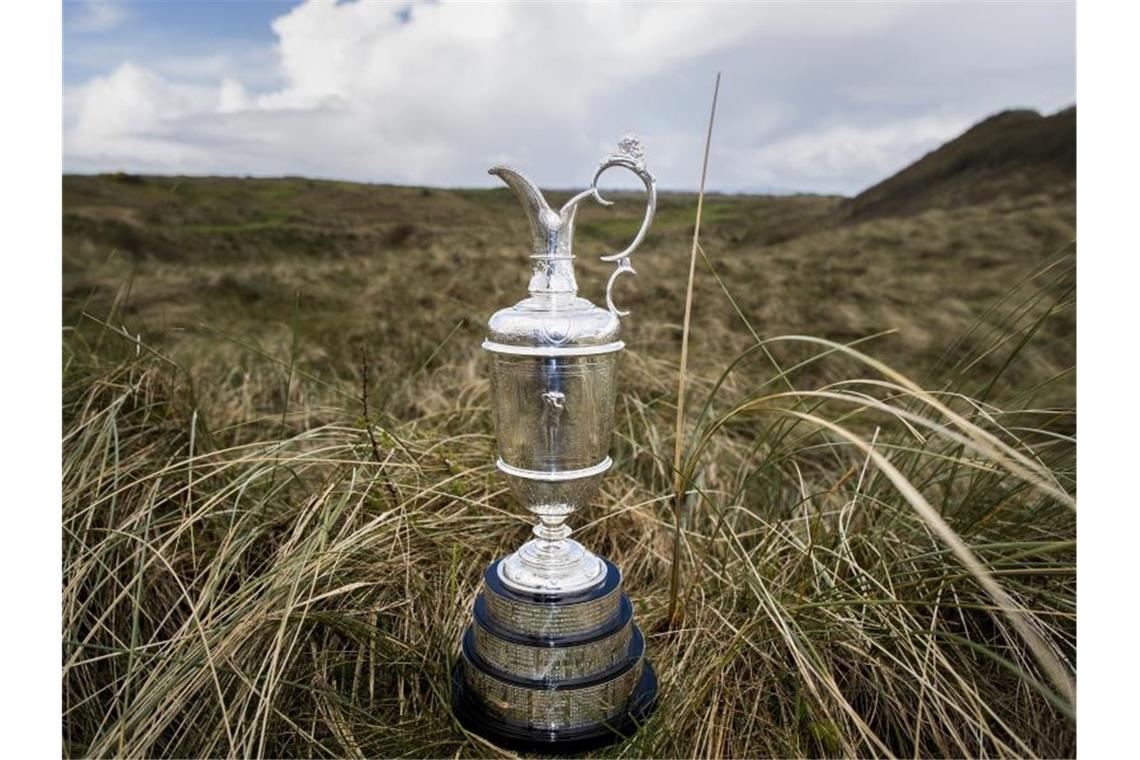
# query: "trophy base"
[553,672]
[529,570]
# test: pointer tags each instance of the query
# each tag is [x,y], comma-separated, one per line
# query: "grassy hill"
[278,491]
[1019,157]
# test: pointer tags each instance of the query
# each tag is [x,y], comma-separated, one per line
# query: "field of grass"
[279,492]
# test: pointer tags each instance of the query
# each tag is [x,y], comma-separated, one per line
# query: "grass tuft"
[255,566]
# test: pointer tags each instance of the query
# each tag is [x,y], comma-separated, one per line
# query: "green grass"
[878,550]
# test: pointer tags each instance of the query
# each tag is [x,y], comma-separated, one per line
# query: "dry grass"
[878,549]
[873,566]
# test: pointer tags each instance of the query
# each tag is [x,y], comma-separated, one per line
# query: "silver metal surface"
[554,363]
[553,663]
[553,414]
[553,646]
[552,562]
[550,621]
[557,475]
[503,348]
[548,709]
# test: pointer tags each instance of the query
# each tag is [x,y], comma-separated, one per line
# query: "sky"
[819,97]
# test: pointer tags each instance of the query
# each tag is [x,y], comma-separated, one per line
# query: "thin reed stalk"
[679,482]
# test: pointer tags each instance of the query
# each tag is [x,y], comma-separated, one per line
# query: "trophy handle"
[629,155]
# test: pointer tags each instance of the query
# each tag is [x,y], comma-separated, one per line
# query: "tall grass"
[874,566]
[679,482]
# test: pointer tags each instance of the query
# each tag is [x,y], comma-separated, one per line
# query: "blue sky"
[194,26]
[98,36]
[824,97]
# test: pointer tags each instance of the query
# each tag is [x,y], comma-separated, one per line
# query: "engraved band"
[545,706]
[504,348]
[552,663]
[554,477]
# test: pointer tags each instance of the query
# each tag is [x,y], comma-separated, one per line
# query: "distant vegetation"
[279,493]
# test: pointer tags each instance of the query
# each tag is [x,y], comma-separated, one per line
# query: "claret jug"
[552,659]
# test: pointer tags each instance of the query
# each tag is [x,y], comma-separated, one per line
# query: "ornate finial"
[629,147]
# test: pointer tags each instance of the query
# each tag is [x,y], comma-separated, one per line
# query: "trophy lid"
[554,320]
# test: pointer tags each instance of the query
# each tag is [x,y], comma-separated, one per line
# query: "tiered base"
[553,673]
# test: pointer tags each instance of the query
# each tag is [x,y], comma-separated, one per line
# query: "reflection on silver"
[553,373]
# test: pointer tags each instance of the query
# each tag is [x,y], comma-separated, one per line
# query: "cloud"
[93,16]
[834,159]
[825,97]
[126,115]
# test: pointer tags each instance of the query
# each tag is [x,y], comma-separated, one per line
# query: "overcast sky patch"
[816,97]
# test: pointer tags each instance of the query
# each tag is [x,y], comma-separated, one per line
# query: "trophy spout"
[544,222]
[552,235]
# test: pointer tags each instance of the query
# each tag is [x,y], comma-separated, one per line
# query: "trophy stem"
[551,549]
[552,531]
[552,562]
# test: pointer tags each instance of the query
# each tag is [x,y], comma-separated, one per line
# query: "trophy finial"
[629,146]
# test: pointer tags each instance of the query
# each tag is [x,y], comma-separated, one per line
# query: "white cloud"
[809,98]
[233,97]
[123,117]
[836,158]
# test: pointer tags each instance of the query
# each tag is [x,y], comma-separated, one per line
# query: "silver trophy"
[553,659]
